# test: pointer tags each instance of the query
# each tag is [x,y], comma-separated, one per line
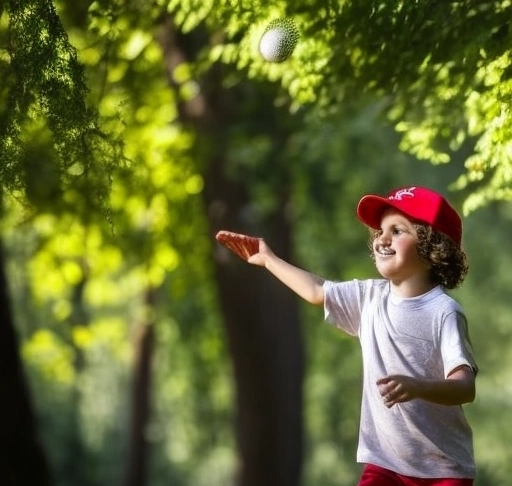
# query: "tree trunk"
[138,450]
[22,460]
[261,316]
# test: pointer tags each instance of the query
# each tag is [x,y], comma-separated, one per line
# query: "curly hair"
[447,260]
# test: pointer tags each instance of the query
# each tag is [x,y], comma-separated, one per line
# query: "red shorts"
[378,476]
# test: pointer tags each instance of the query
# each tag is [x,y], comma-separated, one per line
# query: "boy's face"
[394,249]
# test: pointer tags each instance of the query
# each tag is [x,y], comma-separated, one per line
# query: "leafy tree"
[442,68]
[200,113]
[45,115]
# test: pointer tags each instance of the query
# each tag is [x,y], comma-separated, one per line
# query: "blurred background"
[138,352]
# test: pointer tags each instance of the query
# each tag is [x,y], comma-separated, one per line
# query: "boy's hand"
[256,252]
[397,389]
[457,389]
[262,256]
[241,245]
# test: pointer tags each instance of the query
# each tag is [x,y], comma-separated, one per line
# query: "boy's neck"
[411,288]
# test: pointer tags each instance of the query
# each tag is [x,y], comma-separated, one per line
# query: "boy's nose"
[384,238]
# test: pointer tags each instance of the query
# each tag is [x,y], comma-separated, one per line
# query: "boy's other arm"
[457,389]
[305,284]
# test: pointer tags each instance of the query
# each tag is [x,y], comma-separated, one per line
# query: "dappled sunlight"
[133,132]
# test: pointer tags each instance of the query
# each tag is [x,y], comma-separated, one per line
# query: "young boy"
[418,364]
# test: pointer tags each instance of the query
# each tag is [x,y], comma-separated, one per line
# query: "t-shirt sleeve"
[343,304]
[456,346]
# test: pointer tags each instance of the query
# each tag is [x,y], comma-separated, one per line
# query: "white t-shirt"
[424,337]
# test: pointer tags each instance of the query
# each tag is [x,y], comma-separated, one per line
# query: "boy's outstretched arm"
[303,283]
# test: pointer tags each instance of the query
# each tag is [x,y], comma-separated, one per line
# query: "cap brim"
[370,210]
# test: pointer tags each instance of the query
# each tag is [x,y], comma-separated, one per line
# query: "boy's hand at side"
[457,389]
[397,389]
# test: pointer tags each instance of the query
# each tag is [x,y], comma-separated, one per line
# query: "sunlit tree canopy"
[131,130]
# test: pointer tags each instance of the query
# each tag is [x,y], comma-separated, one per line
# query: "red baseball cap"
[418,203]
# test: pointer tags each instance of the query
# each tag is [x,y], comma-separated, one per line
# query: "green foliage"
[439,70]
[443,69]
[96,275]
[45,121]
[48,354]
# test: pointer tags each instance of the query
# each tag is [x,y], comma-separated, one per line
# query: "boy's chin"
[384,270]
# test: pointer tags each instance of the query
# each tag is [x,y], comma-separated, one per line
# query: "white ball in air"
[279,40]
